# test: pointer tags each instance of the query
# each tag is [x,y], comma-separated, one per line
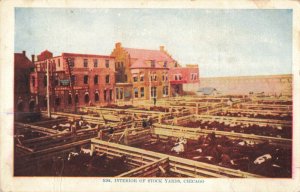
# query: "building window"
[176,65]
[136,92]
[70,99]
[135,78]
[58,61]
[178,77]
[73,79]
[97,97]
[85,63]
[153,91]
[95,62]
[125,78]
[142,77]
[152,63]
[107,78]
[165,64]
[142,90]
[86,98]
[153,77]
[96,79]
[71,62]
[107,63]
[194,76]
[76,98]
[122,64]
[33,81]
[166,77]
[110,94]
[163,77]
[85,79]
[57,101]
[104,94]
[166,90]
[117,93]
[45,80]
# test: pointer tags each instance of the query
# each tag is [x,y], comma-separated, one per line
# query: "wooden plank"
[135,172]
[35,128]
[193,133]
[177,160]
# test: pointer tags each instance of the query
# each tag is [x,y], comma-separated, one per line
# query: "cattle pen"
[188,136]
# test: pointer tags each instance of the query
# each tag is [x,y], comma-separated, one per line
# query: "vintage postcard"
[150,95]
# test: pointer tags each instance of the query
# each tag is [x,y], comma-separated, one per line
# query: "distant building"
[23,101]
[92,77]
[143,74]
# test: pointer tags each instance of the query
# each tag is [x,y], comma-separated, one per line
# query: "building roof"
[86,55]
[21,61]
[142,55]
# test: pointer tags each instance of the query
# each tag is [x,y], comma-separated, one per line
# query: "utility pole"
[69,69]
[48,91]
[150,92]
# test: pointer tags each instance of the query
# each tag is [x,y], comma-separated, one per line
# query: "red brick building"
[144,74]
[92,78]
[23,101]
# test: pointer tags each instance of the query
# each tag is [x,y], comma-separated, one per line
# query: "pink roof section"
[142,55]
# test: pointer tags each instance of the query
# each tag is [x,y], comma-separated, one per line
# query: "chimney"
[118,45]
[162,48]
[24,53]
[32,59]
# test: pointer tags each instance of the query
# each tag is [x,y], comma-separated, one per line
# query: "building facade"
[143,74]
[23,100]
[74,80]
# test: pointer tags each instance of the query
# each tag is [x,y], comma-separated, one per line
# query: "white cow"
[262,159]
[179,146]
[86,151]
[72,154]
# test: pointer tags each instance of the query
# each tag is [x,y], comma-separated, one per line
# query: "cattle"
[179,146]
[86,151]
[72,155]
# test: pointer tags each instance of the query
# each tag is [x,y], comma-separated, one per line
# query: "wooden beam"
[44,130]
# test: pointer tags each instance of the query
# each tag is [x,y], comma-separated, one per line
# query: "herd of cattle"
[283,116]
[238,127]
[263,158]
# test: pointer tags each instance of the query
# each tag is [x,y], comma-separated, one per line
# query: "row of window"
[86,79]
[86,62]
[153,77]
[107,96]
[153,91]
[153,63]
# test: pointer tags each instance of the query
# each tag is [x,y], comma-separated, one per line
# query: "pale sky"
[222,42]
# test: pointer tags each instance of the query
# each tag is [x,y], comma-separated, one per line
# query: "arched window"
[70,99]
[96,79]
[107,78]
[86,98]
[97,97]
